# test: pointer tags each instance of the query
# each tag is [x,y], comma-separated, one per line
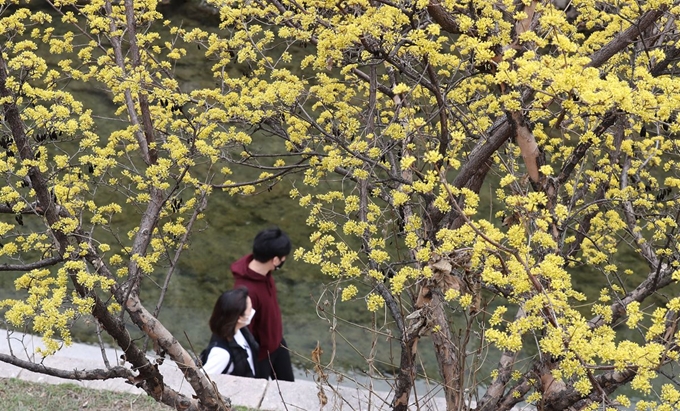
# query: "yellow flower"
[349,292]
[634,314]
[375,302]
[451,294]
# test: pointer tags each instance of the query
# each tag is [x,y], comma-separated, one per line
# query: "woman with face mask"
[232,349]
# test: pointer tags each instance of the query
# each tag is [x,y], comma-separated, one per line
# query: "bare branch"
[93,374]
[286,170]
[649,286]
[442,16]
[30,209]
[178,252]
[46,262]
[626,37]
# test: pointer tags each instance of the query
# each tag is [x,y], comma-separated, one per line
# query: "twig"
[101,344]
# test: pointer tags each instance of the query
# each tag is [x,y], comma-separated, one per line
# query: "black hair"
[228,308]
[270,243]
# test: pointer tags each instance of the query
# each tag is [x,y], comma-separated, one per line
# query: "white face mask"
[250,317]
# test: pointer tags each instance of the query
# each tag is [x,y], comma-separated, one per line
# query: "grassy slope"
[18,395]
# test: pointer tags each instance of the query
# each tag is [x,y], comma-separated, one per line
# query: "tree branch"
[120,62]
[32,208]
[46,262]
[281,173]
[527,144]
[93,374]
[494,391]
[608,382]
[649,286]
[442,17]
[581,150]
[671,55]
[16,125]
[625,38]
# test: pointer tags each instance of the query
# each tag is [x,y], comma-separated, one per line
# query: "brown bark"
[447,354]
[527,144]
[415,328]
[624,38]
[442,17]
[407,369]
[431,301]
[207,395]
[80,375]
[47,262]
[568,396]
[411,333]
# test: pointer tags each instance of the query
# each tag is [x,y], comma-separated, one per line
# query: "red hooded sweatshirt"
[266,326]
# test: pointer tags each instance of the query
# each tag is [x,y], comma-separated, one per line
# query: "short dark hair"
[228,308]
[270,243]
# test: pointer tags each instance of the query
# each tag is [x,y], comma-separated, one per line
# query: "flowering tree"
[567,113]
[65,182]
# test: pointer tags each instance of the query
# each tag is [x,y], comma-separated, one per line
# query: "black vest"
[238,356]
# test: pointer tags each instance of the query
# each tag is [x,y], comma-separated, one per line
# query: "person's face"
[278,262]
[246,314]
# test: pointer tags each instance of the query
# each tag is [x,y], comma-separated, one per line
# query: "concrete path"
[253,393]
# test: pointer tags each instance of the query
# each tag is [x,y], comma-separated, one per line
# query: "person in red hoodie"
[254,271]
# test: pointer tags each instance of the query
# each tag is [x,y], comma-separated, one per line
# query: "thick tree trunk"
[446,352]
[431,302]
[411,333]
[407,372]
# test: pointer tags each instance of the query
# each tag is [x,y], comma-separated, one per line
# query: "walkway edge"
[248,392]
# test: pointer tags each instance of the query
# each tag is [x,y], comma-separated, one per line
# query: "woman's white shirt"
[218,358]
